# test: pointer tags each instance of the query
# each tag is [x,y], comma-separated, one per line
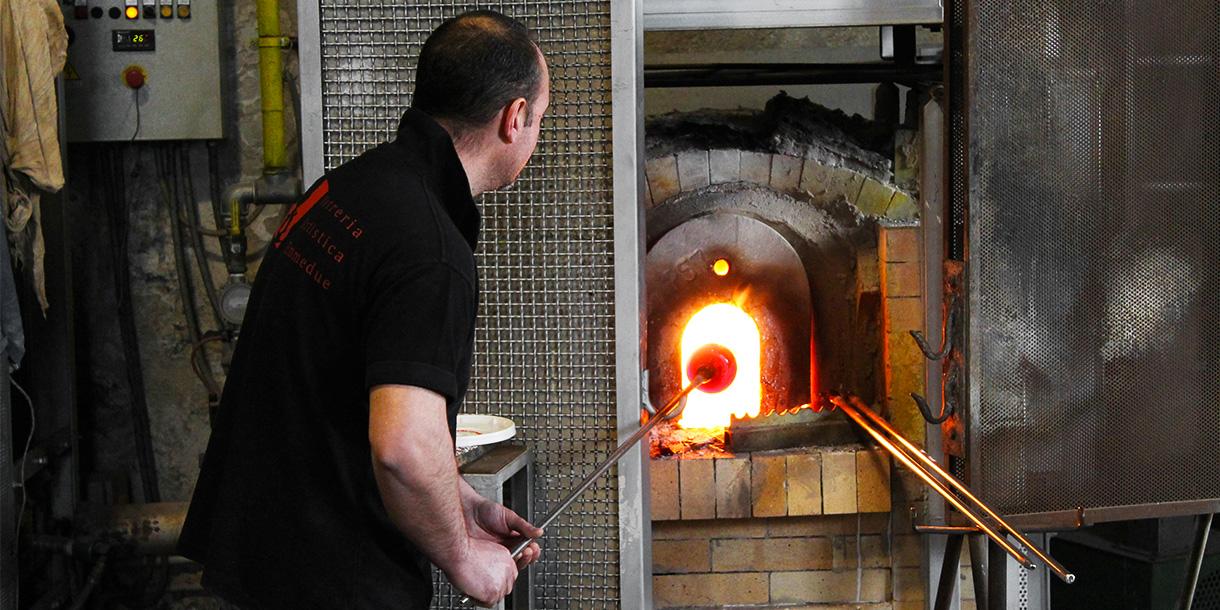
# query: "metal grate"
[1094,168]
[1207,595]
[545,347]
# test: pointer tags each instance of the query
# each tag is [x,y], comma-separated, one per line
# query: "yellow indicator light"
[720,267]
[132,12]
[167,11]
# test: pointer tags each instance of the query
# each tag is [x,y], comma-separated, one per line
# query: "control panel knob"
[134,76]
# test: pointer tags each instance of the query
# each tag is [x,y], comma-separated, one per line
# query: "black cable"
[135,96]
[118,220]
[218,204]
[29,439]
[168,177]
[193,228]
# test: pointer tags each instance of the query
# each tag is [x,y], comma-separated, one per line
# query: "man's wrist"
[456,555]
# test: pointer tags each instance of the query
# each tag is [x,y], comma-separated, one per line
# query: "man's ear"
[512,120]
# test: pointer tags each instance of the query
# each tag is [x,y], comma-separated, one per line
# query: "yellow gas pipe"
[271,81]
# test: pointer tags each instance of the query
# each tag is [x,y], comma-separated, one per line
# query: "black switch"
[115,13]
[96,12]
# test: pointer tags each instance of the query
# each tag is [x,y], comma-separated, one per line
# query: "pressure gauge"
[233,299]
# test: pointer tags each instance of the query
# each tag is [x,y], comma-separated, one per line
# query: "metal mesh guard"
[1094,168]
[544,353]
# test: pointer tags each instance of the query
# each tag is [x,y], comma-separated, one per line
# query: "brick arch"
[671,175]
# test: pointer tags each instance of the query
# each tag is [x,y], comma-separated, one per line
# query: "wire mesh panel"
[1094,134]
[544,353]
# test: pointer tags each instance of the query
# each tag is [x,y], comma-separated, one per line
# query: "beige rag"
[33,48]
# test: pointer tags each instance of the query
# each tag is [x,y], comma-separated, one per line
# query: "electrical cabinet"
[142,70]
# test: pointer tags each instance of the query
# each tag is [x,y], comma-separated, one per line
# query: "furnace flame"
[728,325]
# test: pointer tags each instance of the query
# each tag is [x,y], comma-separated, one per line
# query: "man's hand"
[494,522]
[485,572]
[417,476]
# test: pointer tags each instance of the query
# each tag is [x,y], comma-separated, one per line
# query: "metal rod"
[949,569]
[949,530]
[756,74]
[1050,562]
[932,482]
[1204,528]
[701,378]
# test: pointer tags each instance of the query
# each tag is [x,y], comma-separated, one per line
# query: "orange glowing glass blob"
[728,325]
[721,267]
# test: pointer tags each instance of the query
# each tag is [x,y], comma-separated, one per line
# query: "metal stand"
[947,589]
[1196,561]
[978,569]
[1010,586]
[505,474]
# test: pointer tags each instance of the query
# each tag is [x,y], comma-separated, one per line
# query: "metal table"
[505,474]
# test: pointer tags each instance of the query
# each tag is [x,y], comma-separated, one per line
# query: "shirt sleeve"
[417,328]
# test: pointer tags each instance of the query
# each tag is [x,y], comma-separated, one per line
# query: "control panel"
[142,70]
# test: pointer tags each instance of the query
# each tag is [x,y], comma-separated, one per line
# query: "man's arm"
[417,475]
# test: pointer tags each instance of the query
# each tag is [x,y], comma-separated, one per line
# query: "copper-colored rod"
[1055,566]
[945,529]
[934,483]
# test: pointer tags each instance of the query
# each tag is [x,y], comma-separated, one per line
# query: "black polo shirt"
[369,280]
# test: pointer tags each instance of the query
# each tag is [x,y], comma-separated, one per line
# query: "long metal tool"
[928,470]
[703,376]
[927,460]
[932,482]
[622,450]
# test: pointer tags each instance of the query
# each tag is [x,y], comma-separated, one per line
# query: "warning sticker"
[70,72]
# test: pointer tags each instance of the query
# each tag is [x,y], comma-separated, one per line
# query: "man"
[330,479]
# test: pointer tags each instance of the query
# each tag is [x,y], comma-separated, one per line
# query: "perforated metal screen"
[1094,135]
[545,351]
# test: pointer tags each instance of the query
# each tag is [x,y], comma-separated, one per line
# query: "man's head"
[482,77]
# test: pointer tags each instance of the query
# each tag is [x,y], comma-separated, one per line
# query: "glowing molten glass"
[727,325]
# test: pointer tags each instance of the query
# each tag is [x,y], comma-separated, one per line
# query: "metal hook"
[922,403]
[948,329]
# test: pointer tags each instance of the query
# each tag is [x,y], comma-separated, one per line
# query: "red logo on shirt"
[299,210]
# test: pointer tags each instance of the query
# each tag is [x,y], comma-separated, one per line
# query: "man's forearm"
[417,474]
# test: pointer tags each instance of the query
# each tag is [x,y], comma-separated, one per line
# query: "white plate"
[483,430]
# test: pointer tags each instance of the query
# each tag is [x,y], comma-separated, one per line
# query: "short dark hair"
[473,65]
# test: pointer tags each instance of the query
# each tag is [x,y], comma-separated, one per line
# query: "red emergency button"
[134,76]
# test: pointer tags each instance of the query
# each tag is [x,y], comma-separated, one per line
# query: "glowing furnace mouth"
[727,325]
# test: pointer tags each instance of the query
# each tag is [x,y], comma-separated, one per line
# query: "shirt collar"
[432,148]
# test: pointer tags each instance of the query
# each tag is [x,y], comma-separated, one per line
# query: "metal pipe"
[271,85]
[1204,528]
[148,529]
[932,482]
[1055,566]
[755,74]
[701,378]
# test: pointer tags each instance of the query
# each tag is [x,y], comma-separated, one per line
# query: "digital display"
[133,40]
